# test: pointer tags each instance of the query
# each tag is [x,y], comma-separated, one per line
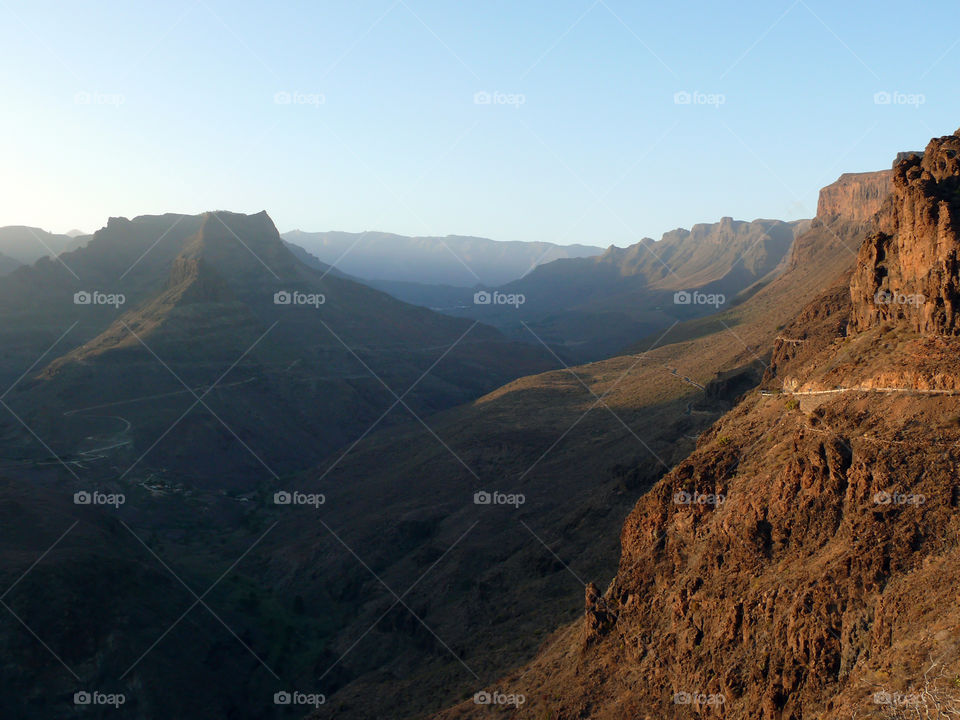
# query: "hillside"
[817,576]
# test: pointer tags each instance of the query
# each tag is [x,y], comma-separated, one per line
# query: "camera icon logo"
[682,97]
[482,98]
[482,698]
[881,98]
[282,98]
[282,298]
[82,298]
[82,698]
[282,698]
[482,497]
[682,297]
[482,298]
[82,498]
[282,498]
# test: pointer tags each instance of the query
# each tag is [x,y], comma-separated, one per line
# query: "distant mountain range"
[452,260]
[583,302]
[22,245]
[589,307]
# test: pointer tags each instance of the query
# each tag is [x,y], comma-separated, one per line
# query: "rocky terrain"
[802,562]
[908,269]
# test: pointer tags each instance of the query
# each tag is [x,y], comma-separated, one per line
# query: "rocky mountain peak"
[907,271]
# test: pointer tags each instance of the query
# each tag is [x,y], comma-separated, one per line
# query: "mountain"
[26,245]
[452,260]
[802,562]
[591,308]
[283,362]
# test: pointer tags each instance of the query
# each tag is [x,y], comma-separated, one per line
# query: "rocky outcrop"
[598,618]
[907,272]
[855,196]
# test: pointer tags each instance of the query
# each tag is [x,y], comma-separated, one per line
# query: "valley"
[484,584]
[416,360]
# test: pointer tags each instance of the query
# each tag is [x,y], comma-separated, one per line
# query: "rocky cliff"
[856,196]
[907,271]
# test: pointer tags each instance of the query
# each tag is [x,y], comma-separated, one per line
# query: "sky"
[589,121]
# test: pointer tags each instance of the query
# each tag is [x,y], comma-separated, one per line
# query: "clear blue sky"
[181,113]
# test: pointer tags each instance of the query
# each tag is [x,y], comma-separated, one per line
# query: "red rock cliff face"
[907,272]
[855,196]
